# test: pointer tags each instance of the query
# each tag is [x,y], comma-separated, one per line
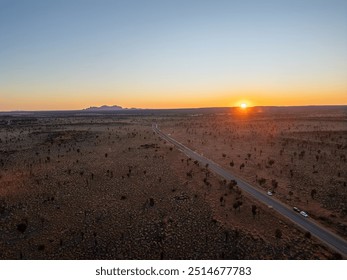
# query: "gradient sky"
[165,54]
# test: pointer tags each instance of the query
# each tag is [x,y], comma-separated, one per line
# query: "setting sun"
[243,105]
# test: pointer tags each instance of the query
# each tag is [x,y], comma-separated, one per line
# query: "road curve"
[329,238]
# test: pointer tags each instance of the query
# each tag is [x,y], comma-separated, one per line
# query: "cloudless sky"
[165,54]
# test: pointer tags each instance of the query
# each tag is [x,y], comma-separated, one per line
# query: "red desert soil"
[107,187]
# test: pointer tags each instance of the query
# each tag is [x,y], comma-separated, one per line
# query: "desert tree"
[278,234]
[254,210]
[262,181]
[222,201]
[313,193]
[21,227]
[231,185]
[302,154]
[274,184]
[290,194]
[235,205]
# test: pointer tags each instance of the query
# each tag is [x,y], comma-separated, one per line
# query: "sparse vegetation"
[278,234]
[81,187]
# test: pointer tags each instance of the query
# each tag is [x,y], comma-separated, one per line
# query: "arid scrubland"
[107,187]
[299,156]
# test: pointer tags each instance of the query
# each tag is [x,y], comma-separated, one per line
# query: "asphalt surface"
[329,238]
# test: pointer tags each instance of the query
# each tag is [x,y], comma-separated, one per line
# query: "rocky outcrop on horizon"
[104,108]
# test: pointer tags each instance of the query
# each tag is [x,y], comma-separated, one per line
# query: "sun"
[243,105]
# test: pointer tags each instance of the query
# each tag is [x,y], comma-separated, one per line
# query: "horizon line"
[178,108]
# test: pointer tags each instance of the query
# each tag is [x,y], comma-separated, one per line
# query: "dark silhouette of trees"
[290,194]
[222,201]
[22,227]
[278,234]
[237,205]
[313,193]
[2,207]
[274,184]
[262,181]
[232,184]
[254,210]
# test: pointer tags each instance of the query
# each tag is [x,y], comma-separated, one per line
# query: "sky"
[62,55]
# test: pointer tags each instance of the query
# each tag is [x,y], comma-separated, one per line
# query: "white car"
[269,193]
[303,213]
[296,209]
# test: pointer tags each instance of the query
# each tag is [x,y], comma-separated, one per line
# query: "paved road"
[329,238]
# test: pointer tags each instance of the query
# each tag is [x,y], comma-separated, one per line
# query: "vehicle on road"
[319,231]
[269,193]
[303,213]
[296,209]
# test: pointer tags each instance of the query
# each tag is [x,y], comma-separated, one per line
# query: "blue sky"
[71,54]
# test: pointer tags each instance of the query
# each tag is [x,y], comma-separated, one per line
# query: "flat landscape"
[86,185]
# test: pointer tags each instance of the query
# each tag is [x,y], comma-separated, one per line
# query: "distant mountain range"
[104,108]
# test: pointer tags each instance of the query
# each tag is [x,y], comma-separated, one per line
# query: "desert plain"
[84,185]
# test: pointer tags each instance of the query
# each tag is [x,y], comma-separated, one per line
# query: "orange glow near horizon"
[156,100]
[145,55]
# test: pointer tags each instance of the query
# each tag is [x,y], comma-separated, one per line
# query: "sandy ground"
[106,187]
[299,157]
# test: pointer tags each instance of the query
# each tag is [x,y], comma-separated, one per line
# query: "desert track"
[326,236]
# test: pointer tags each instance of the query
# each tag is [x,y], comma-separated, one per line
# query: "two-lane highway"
[328,237]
